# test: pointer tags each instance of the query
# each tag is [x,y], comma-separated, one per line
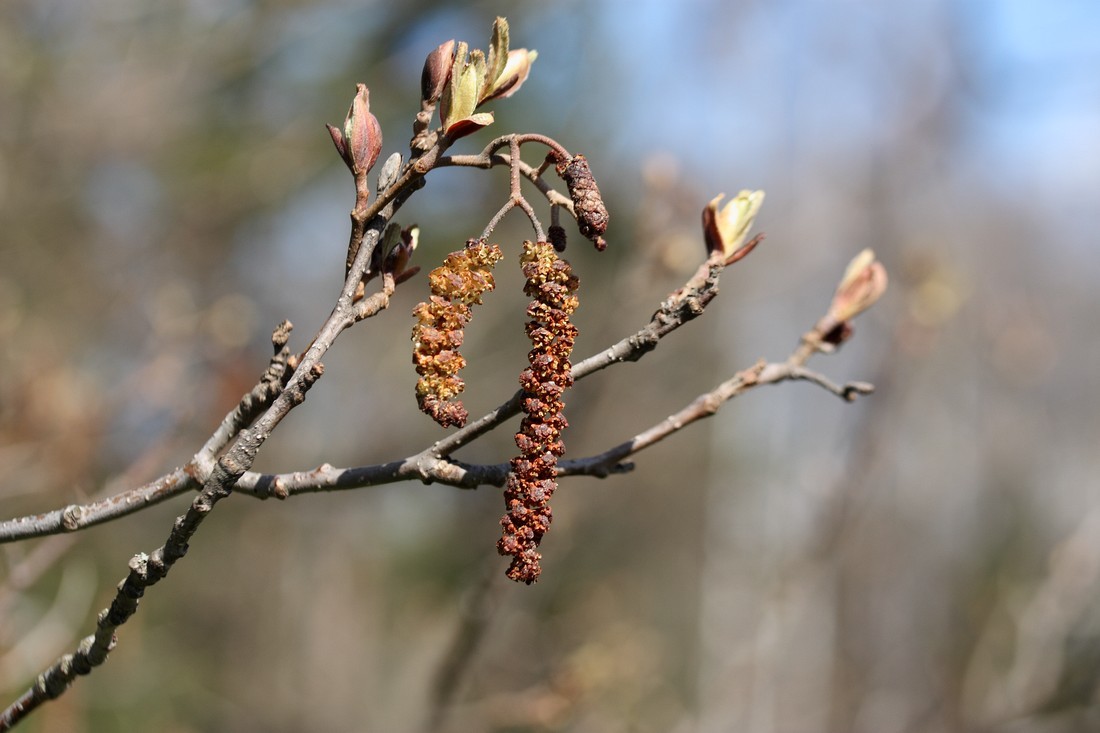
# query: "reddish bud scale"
[533,479]
[592,216]
[456,285]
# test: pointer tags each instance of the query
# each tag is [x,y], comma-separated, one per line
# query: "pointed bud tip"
[864,282]
[338,141]
[362,133]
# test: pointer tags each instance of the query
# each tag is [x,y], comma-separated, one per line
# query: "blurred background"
[926,559]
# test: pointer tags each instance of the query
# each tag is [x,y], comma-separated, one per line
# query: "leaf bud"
[437,70]
[361,140]
[863,284]
[725,229]
[460,95]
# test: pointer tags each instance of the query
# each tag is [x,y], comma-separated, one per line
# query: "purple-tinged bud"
[362,134]
[437,70]
[338,141]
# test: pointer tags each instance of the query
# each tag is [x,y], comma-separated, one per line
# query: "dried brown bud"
[588,205]
[456,285]
[533,479]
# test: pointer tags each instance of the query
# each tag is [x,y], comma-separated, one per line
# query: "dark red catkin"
[592,216]
[533,479]
[456,285]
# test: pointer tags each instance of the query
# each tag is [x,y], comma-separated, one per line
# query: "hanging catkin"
[552,287]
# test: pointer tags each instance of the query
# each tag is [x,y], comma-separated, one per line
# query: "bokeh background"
[926,559]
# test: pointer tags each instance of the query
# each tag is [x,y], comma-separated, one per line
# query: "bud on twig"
[437,70]
[592,216]
[388,175]
[514,74]
[505,70]
[725,229]
[397,260]
[360,142]
[461,93]
[863,283]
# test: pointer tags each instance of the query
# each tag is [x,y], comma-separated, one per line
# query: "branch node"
[71,516]
[281,335]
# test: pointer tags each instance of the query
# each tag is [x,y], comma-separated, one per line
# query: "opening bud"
[461,93]
[863,284]
[725,228]
[505,70]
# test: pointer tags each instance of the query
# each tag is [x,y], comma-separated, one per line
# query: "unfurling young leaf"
[460,95]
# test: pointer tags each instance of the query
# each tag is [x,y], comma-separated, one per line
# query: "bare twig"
[489,158]
[680,307]
[515,197]
[148,569]
[435,467]
[188,478]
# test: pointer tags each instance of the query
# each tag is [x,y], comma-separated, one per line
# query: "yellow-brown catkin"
[533,479]
[456,285]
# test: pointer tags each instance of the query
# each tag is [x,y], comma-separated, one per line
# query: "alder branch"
[80,516]
[433,467]
[432,464]
[486,160]
[223,464]
[705,405]
[681,306]
[146,570]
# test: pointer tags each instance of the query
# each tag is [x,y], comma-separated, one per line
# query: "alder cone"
[592,216]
